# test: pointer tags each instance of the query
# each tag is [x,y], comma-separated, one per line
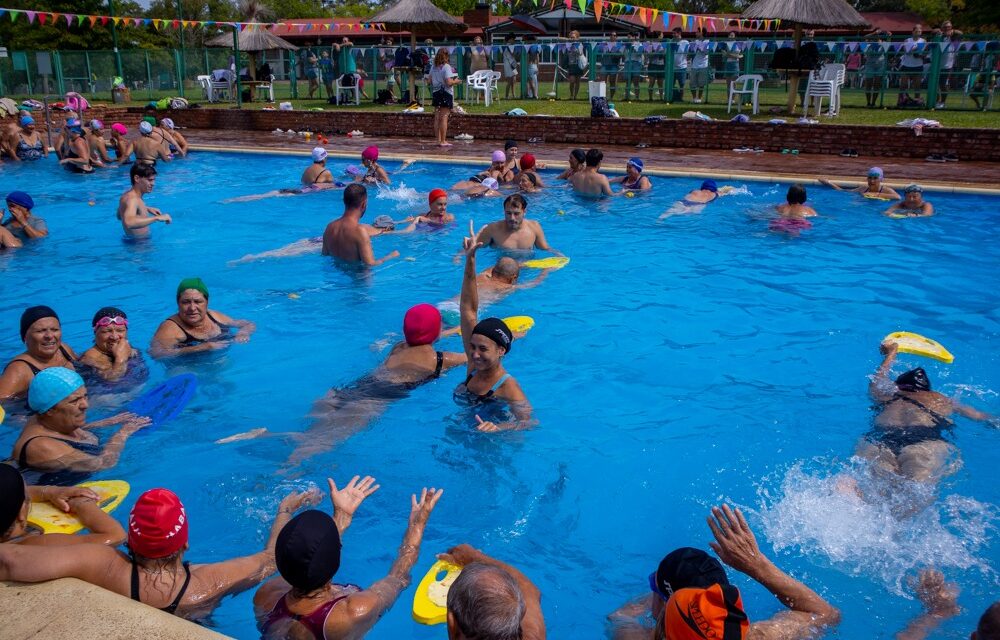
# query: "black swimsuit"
[172,607]
[35,370]
[60,478]
[897,438]
[190,340]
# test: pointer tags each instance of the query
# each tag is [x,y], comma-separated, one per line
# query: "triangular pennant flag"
[93,21]
[598,8]
[31,16]
[583,5]
[69,19]
[42,17]
[80,19]
[642,15]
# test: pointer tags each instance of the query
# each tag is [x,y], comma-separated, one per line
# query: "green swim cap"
[150,119]
[51,386]
[192,283]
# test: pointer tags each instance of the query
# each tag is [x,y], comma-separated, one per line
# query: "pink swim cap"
[371,153]
[499,156]
[119,128]
[422,325]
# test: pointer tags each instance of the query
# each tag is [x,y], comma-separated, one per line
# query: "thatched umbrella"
[414,16]
[805,13]
[253,40]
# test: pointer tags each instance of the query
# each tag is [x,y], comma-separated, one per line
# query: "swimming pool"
[674,364]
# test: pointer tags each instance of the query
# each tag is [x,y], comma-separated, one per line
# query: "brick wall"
[869,141]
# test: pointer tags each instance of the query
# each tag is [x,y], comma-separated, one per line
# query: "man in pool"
[908,437]
[590,181]
[695,200]
[692,597]
[148,149]
[317,173]
[874,186]
[135,215]
[514,232]
[23,224]
[913,204]
[345,238]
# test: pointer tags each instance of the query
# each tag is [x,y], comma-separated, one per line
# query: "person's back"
[491,600]
[590,181]
[345,238]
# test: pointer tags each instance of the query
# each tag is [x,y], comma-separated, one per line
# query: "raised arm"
[29,230]
[832,185]
[347,500]
[881,386]
[469,298]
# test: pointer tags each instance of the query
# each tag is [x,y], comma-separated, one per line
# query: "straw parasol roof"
[252,40]
[816,13]
[418,15]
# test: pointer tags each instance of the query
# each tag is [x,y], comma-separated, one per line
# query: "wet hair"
[796,194]
[441,57]
[594,157]
[531,177]
[579,154]
[507,267]
[354,196]
[989,625]
[516,197]
[486,603]
[141,170]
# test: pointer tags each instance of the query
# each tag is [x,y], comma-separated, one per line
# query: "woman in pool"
[694,201]
[633,180]
[375,174]
[577,162]
[75,150]
[41,333]
[497,170]
[486,343]
[29,142]
[120,144]
[195,328]
[874,186]
[792,215]
[112,357]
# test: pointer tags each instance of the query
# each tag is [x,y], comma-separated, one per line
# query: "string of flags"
[78,19]
[671,19]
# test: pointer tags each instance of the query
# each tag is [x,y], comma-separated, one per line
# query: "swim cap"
[20,198]
[158,524]
[74,123]
[435,194]
[319,154]
[32,315]
[371,153]
[496,330]
[527,162]
[145,128]
[685,568]
[11,496]
[715,612]
[26,120]
[491,183]
[509,144]
[384,222]
[96,124]
[192,283]
[307,551]
[168,123]
[875,172]
[51,386]
[150,119]
[709,185]
[107,312]
[119,128]
[637,163]
[499,156]
[914,380]
[913,188]
[422,325]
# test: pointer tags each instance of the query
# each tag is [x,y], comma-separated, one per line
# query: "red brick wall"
[869,141]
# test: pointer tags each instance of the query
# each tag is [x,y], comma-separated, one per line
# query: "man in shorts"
[680,61]
[699,66]
[576,63]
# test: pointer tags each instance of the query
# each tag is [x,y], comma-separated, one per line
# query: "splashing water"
[406,198]
[894,531]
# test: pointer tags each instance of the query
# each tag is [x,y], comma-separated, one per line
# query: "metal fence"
[960,75]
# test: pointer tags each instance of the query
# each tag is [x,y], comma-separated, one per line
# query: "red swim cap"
[527,161]
[422,325]
[435,194]
[158,525]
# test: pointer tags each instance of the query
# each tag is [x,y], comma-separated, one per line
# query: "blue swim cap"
[26,120]
[51,386]
[709,185]
[637,163]
[20,198]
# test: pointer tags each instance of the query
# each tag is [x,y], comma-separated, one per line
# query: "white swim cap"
[145,128]
[491,183]
[168,123]
[319,154]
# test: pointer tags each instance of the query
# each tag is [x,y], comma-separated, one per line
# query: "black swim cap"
[307,551]
[914,380]
[687,568]
[496,330]
[11,496]
[32,315]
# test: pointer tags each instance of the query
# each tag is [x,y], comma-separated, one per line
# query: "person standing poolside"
[22,223]
[514,232]
[112,357]
[154,571]
[29,145]
[534,59]
[511,64]
[657,67]
[479,56]
[41,333]
[120,144]
[680,61]
[56,445]
[874,69]
[699,66]
[135,215]
[911,69]
[195,328]
[576,63]
[590,181]
[874,186]
[913,204]
[180,143]
[577,162]
[317,172]
[345,238]
[633,180]
[443,80]
[949,80]
[302,603]
[328,73]
[734,53]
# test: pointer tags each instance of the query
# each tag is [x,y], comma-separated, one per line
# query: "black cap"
[914,380]
[686,568]
[308,550]
[11,496]
[496,330]
[32,315]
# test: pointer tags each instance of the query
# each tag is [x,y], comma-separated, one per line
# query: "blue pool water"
[674,364]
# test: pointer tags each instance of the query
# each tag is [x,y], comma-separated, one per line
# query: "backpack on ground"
[599,107]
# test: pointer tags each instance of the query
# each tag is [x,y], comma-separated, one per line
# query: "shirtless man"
[874,186]
[135,215]
[180,142]
[346,238]
[908,437]
[98,146]
[590,181]
[147,148]
[514,232]
[913,204]
[317,173]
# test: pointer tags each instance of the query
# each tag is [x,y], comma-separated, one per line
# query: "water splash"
[406,198]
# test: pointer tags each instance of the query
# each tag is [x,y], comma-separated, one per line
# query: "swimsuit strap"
[187,336]
[315,621]
[35,370]
[134,581]
[440,363]
[325,170]
[22,460]
[62,349]
[939,420]
[497,385]
[172,607]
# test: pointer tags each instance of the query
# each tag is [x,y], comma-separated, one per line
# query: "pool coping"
[750,176]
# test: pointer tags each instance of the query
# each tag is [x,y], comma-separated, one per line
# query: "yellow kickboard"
[49,519]
[918,345]
[517,324]
[557,262]
[431,598]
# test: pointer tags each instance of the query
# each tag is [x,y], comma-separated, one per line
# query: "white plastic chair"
[746,85]
[826,83]
[206,86]
[348,89]
[484,82]
[474,80]
[223,87]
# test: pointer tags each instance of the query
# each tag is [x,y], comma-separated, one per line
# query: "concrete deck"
[71,609]
[950,176]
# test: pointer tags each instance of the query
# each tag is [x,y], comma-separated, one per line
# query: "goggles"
[108,320]
[654,589]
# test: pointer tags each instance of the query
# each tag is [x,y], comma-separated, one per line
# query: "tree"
[18,35]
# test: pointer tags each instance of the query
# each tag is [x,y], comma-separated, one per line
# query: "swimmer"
[501,280]
[98,146]
[22,223]
[792,215]
[694,201]
[590,181]
[411,363]
[148,149]
[874,185]
[195,328]
[154,572]
[529,165]
[75,153]
[374,173]
[437,212]
[912,206]
[577,161]
[41,333]
[317,172]
[135,215]
[488,188]
[120,144]
[527,182]
[112,356]
[908,437]
[633,180]
[180,142]
[16,498]
[486,343]
[165,137]
[497,170]
[56,445]
[346,238]
[514,232]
